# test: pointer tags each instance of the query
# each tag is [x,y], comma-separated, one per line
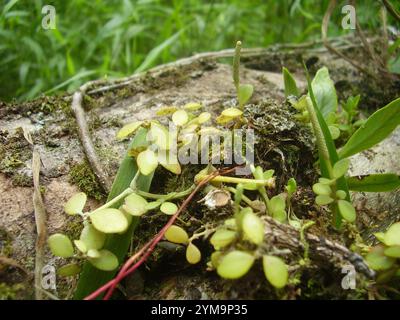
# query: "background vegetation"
[114,38]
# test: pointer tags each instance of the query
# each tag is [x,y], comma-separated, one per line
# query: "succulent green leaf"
[60,245]
[176,234]
[291,187]
[68,270]
[322,189]
[377,127]
[374,182]
[377,260]
[106,261]
[290,84]
[93,253]
[323,200]
[324,92]
[128,129]
[235,264]
[193,254]
[393,251]
[192,106]
[232,113]
[275,270]
[92,238]
[81,246]
[253,228]
[76,203]
[215,258]
[279,215]
[380,236]
[135,205]
[203,117]
[277,203]
[152,205]
[221,238]
[347,210]
[340,194]
[160,135]
[147,162]
[392,235]
[169,208]
[340,168]
[180,117]
[335,132]
[244,94]
[109,220]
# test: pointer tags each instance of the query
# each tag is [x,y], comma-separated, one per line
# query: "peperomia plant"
[319,107]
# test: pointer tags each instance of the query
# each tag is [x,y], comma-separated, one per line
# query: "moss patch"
[82,175]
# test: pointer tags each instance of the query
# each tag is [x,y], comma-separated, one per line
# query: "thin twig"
[86,141]
[41,228]
[391,10]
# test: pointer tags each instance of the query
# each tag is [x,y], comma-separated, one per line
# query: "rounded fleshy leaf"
[347,210]
[326,181]
[192,106]
[245,93]
[253,228]
[180,118]
[128,129]
[377,260]
[68,270]
[93,238]
[323,200]
[291,186]
[166,111]
[275,270]
[221,119]
[169,208]
[60,245]
[147,162]
[340,168]
[93,253]
[235,264]
[203,117]
[340,194]
[215,258]
[232,112]
[135,205]
[380,236]
[81,246]
[109,221]
[193,254]
[176,234]
[76,203]
[322,189]
[279,215]
[221,238]
[107,261]
[393,252]
[277,203]
[170,162]
[392,235]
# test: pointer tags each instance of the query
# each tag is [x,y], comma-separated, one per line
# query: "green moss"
[5,244]
[9,292]
[21,180]
[82,175]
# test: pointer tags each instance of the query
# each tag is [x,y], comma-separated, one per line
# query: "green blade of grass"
[92,278]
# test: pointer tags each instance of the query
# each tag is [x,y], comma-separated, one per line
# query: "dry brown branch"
[86,141]
[320,249]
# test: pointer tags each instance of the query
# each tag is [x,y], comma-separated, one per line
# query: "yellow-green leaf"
[244,94]
[169,208]
[106,261]
[203,117]
[340,168]
[192,106]
[392,235]
[253,228]
[92,238]
[221,238]
[60,245]
[128,129]
[232,113]
[193,254]
[81,246]
[147,162]
[180,117]
[68,270]
[176,234]
[109,220]
[377,260]
[76,203]
[135,205]
[290,83]
[275,271]
[235,264]
[347,210]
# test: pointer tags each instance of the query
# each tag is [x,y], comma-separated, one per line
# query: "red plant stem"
[149,247]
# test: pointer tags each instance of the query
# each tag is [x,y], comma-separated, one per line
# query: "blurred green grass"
[114,38]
